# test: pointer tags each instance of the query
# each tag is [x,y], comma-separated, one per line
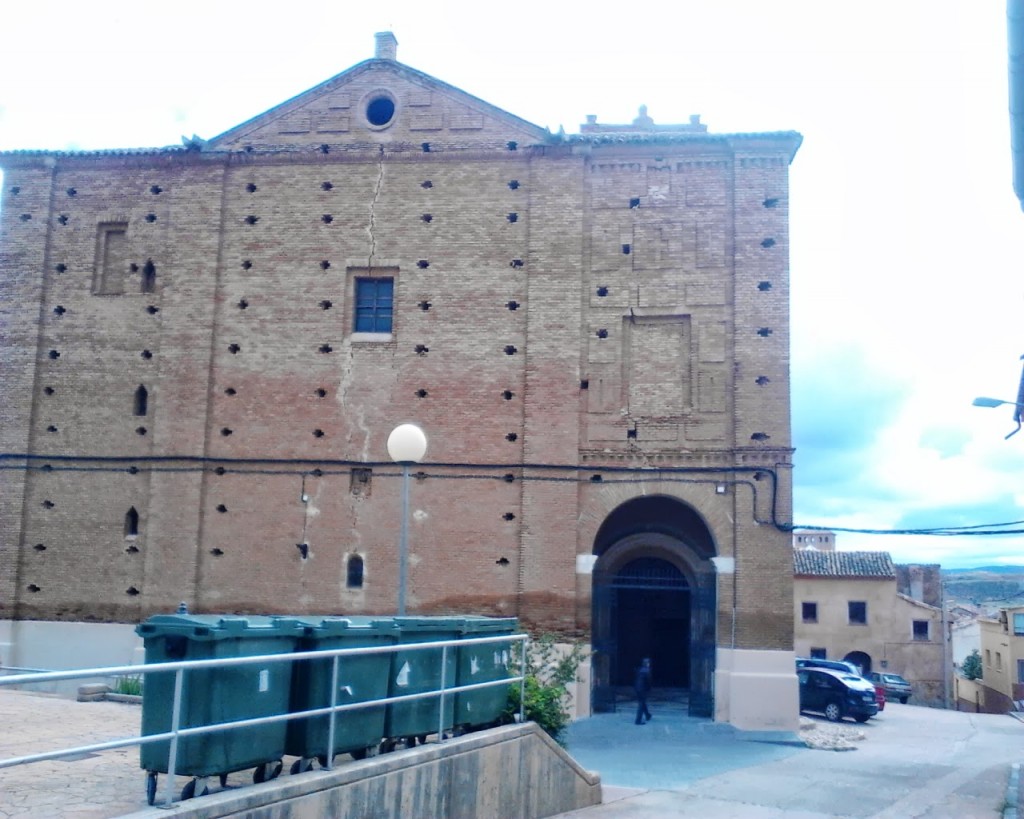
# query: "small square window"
[858,611]
[818,653]
[809,612]
[374,305]
[920,629]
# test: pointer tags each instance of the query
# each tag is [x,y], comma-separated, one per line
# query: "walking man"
[642,687]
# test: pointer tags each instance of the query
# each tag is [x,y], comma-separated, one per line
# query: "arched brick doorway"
[654,596]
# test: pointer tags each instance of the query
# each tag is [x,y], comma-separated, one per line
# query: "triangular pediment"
[380,101]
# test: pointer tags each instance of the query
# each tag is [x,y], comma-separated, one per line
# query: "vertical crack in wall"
[373,208]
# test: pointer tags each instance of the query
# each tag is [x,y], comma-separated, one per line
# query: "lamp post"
[982,401]
[407,444]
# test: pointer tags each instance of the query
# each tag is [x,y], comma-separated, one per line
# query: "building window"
[1020,672]
[374,300]
[148,283]
[355,572]
[858,611]
[809,612]
[1018,624]
[999,661]
[141,405]
[131,523]
[818,653]
[921,630]
[111,259]
[988,658]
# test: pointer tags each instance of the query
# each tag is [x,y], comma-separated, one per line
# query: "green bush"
[549,670]
[129,685]
[971,668]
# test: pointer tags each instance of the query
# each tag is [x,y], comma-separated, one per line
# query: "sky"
[906,239]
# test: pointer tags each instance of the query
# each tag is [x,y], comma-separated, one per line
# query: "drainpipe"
[946,636]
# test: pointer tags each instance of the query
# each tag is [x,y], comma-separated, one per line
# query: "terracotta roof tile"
[813,563]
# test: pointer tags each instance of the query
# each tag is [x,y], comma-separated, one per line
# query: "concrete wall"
[757,690]
[54,646]
[516,772]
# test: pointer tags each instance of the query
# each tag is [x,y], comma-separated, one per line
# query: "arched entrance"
[654,596]
[653,619]
[861,660]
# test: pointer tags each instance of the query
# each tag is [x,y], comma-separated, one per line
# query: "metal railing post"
[172,756]
[440,718]
[332,720]
[522,682]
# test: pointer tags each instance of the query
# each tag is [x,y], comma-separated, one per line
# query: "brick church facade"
[206,347]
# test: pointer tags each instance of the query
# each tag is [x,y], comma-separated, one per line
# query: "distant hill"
[988,570]
[989,587]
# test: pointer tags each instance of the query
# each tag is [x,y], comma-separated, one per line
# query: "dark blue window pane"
[374,303]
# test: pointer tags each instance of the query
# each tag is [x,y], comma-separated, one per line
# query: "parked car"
[896,688]
[835,665]
[844,666]
[836,694]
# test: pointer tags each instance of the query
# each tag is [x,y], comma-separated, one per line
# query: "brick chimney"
[387,46]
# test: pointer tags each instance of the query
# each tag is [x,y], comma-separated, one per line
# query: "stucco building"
[861,607]
[205,348]
[1001,686]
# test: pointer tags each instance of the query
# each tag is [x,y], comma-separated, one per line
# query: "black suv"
[836,694]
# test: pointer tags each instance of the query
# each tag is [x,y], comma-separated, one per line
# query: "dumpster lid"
[425,623]
[333,624]
[477,624]
[217,626]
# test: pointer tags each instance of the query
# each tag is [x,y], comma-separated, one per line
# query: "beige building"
[857,606]
[1002,658]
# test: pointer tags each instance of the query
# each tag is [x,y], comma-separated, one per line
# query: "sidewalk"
[92,786]
[913,762]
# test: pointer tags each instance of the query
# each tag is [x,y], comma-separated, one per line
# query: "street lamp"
[407,444]
[982,401]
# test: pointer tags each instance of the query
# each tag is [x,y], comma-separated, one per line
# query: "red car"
[880,696]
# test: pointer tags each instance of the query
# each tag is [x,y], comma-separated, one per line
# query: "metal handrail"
[335,655]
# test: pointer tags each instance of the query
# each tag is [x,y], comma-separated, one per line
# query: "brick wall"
[557,304]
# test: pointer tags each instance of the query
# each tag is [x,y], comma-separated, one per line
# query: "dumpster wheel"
[267,771]
[301,766]
[363,753]
[189,791]
[151,787]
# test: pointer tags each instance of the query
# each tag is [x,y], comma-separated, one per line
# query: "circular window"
[380,110]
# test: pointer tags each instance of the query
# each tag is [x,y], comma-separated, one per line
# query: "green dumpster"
[361,678]
[484,663]
[216,695]
[414,671]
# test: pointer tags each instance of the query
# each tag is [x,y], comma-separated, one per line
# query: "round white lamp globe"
[407,444]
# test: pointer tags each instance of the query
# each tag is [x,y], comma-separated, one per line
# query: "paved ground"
[913,763]
[94,786]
